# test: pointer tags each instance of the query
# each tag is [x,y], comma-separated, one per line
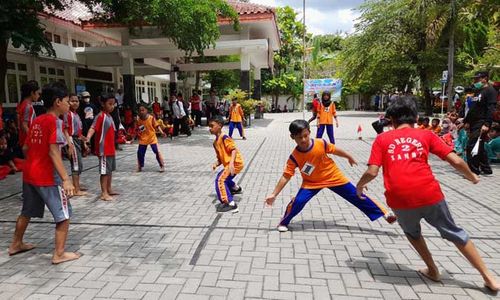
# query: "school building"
[99,57]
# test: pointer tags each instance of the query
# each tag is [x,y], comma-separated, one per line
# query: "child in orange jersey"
[319,171]
[325,113]
[146,128]
[228,156]
[236,117]
[435,126]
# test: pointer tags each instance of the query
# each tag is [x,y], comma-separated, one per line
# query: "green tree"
[286,78]
[190,24]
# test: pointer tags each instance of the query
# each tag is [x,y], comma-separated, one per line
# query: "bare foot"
[138,170]
[492,285]
[106,198]
[13,250]
[66,256]
[432,275]
[162,169]
[80,193]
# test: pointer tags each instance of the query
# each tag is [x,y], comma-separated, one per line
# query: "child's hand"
[214,166]
[474,179]
[352,162]
[68,187]
[270,200]
[231,169]
[337,123]
[359,191]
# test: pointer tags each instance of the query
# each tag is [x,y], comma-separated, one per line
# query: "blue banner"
[318,86]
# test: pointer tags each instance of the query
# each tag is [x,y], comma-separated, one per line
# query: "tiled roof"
[245,8]
[77,11]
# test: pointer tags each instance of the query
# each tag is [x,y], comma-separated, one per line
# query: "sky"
[322,16]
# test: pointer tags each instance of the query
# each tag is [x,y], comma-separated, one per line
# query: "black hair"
[426,119]
[29,87]
[179,94]
[326,93]
[403,110]
[72,95]
[53,91]
[105,97]
[297,126]
[217,119]
[436,119]
[495,127]
[142,105]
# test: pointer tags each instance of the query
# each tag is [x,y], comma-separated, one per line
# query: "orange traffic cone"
[359,132]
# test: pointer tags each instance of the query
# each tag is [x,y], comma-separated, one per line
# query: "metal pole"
[304,60]
[442,99]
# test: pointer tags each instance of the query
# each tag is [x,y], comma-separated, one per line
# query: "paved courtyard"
[163,239]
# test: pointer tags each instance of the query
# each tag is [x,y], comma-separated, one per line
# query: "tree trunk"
[3,68]
[451,57]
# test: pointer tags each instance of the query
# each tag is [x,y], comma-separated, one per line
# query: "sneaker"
[244,138]
[162,169]
[237,191]
[226,207]
[390,218]
[282,228]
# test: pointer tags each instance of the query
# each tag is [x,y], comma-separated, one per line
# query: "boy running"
[146,128]
[236,117]
[104,128]
[228,156]
[45,181]
[413,192]
[319,171]
[73,132]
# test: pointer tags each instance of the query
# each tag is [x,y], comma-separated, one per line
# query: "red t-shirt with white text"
[104,137]
[38,168]
[403,154]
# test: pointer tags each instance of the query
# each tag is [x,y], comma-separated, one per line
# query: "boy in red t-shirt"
[411,189]
[45,181]
[319,171]
[104,129]
[30,92]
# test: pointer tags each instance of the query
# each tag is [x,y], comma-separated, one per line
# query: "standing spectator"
[115,114]
[157,109]
[179,116]
[30,92]
[88,111]
[167,107]
[479,119]
[119,97]
[212,105]
[196,108]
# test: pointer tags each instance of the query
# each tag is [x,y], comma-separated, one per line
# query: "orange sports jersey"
[326,114]
[224,145]
[236,113]
[317,169]
[147,130]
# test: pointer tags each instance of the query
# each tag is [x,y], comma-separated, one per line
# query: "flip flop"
[21,251]
[490,290]
[428,277]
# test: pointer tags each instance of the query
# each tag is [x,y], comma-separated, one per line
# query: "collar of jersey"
[308,149]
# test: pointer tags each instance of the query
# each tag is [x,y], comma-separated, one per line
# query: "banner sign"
[317,86]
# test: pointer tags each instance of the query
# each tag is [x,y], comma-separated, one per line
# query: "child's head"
[179,96]
[55,97]
[143,110]
[326,96]
[156,99]
[453,117]
[234,100]
[420,121]
[74,102]
[426,121]
[403,110]
[215,125]
[107,102]
[30,90]
[494,131]
[435,122]
[300,132]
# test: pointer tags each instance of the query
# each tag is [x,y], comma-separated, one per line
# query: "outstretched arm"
[279,187]
[342,153]
[315,115]
[461,166]
[370,174]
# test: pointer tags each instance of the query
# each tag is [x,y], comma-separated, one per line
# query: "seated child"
[435,126]
[425,123]
[493,146]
